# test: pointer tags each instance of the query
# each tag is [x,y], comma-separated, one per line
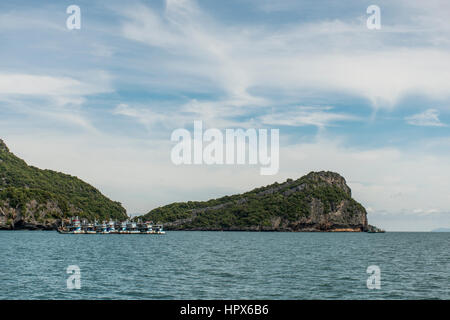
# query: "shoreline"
[234,230]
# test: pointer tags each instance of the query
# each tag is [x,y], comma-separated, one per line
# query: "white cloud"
[35,85]
[303,116]
[58,100]
[145,116]
[328,55]
[44,85]
[220,114]
[215,114]
[428,118]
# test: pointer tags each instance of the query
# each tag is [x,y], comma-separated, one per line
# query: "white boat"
[73,228]
[123,228]
[132,228]
[158,229]
[110,227]
[146,227]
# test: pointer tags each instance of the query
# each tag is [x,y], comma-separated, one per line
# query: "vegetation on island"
[290,202]
[32,194]
[320,201]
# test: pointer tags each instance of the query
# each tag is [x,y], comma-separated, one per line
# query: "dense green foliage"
[289,201]
[20,184]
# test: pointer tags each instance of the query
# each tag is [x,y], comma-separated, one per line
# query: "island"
[36,199]
[318,201]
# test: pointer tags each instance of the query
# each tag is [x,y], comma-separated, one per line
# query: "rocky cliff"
[31,198]
[319,201]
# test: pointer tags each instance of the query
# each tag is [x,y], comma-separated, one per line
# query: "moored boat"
[132,228]
[110,227]
[103,228]
[146,227]
[73,228]
[158,229]
[123,227]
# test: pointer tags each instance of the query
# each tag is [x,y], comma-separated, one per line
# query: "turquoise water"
[225,265]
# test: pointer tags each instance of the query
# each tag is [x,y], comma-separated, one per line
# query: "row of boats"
[110,227]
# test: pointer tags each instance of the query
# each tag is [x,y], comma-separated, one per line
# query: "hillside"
[32,198]
[319,201]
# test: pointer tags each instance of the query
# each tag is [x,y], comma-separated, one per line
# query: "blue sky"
[102,101]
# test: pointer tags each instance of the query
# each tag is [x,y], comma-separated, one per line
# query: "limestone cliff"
[319,201]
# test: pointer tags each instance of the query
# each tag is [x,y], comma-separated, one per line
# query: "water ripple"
[225,265]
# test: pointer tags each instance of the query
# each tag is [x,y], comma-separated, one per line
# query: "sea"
[225,265]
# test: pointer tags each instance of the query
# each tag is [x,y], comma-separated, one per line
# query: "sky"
[101,102]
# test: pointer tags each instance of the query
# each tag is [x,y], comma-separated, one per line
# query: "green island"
[32,198]
[319,201]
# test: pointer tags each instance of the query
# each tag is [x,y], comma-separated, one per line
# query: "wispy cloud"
[290,58]
[53,99]
[145,116]
[304,116]
[28,84]
[217,114]
[428,118]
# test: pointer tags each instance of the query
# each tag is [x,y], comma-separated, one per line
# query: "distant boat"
[376,231]
[373,229]
[111,227]
[73,228]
